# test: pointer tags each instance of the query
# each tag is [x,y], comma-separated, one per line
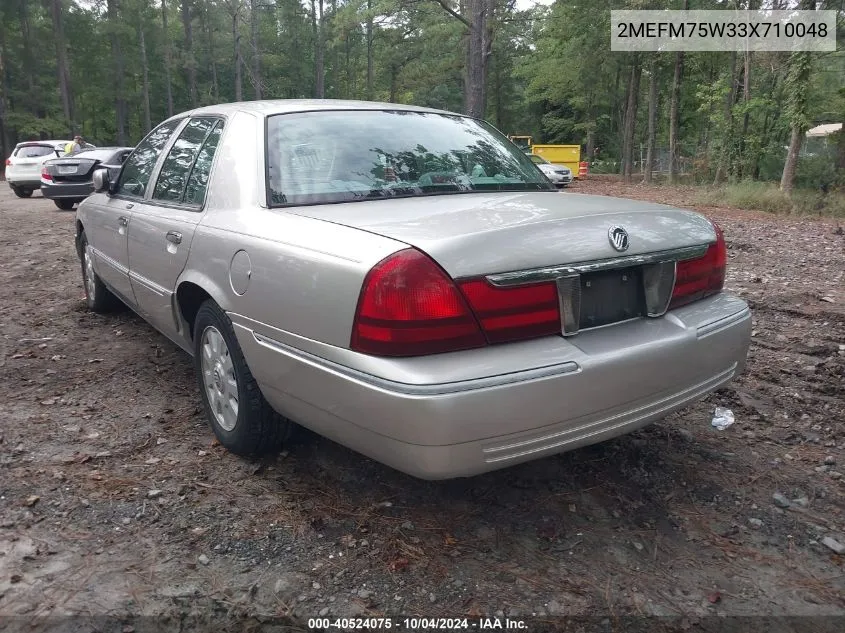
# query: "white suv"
[23,167]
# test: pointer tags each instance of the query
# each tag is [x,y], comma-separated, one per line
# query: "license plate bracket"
[66,170]
[611,296]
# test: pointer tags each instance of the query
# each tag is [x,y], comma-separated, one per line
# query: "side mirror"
[101,178]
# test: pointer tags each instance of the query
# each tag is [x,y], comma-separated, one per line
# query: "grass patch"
[766,196]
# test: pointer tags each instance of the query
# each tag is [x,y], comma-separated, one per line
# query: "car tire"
[64,204]
[99,298]
[249,425]
[22,192]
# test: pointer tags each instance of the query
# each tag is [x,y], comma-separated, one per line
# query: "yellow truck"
[567,155]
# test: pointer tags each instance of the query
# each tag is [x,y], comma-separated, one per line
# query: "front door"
[107,228]
[109,218]
[163,226]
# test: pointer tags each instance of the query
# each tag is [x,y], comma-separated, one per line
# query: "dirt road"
[115,500]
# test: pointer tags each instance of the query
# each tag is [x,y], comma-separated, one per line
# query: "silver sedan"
[407,283]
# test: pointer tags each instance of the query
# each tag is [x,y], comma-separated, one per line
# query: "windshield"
[538,160]
[338,156]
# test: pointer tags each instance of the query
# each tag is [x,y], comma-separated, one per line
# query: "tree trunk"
[120,105]
[744,161]
[840,150]
[394,84]
[476,73]
[209,50]
[615,107]
[62,68]
[797,107]
[349,87]
[145,77]
[370,74]
[236,43]
[334,75]
[167,78]
[723,166]
[787,180]
[190,62]
[591,145]
[34,103]
[673,112]
[630,120]
[652,122]
[319,50]
[798,75]
[256,51]
[5,148]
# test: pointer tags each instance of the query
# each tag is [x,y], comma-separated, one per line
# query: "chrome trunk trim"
[551,273]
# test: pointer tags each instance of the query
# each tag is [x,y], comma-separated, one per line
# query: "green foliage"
[550,74]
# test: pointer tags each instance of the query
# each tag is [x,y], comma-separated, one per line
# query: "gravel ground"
[115,500]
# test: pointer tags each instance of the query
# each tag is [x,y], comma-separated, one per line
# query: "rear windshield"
[35,151]
[338,156]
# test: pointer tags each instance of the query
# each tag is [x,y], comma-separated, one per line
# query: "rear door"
[107,218]
[163,226]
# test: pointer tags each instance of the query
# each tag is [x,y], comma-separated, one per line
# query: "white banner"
[722,30]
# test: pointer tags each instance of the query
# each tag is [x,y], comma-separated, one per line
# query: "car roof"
[287,106]
[49,142]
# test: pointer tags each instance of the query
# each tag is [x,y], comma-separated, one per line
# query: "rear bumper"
[67,190]
[592,387]
[24,183]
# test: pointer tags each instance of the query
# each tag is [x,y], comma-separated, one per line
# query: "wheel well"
[189,297]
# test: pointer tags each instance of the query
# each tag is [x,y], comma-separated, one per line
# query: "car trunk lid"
[70,169]
[485,234]
[592,260]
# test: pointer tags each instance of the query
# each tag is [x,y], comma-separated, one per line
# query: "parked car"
[67,181]
[560,175]
[405,282]
[23,167]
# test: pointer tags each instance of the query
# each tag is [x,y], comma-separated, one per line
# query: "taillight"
[702,277]
[8,162]
[45,175]
[509,314]
[410,307]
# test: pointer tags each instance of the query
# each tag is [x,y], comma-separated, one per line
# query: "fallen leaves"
[399,564]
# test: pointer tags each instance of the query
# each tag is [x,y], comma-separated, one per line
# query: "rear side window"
[136,172]
[198,180]
[173,177]
[35,151]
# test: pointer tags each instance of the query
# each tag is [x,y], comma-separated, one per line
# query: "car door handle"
[174,237]
[123,221]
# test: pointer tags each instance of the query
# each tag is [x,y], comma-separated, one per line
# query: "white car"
[559,175]
[23,167]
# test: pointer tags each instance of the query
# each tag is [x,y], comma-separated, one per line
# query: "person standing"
[75,146]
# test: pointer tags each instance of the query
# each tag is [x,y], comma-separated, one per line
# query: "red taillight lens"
[8,162]
[509,314]
[45,175]
[702,277]
[410,307]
